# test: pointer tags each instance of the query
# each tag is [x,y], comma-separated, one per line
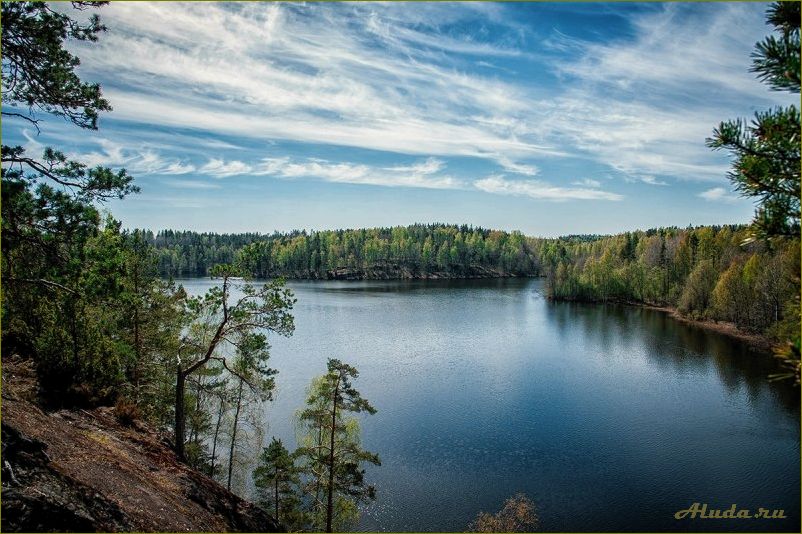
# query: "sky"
[548,118]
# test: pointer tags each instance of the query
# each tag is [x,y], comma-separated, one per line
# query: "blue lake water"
[608,417]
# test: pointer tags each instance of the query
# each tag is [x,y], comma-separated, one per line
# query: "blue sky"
[546,118]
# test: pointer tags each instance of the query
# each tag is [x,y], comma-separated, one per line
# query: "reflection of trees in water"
[676,346]
[405,285]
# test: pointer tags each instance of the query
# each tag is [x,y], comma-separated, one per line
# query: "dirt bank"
[81,470]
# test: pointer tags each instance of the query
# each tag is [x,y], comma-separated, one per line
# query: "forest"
[416,251]
[705,273]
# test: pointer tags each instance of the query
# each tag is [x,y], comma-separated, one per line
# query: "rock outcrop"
[81,470]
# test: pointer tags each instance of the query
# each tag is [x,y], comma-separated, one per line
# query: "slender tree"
[277,479]
[255,383]
[218,320]
[337,451]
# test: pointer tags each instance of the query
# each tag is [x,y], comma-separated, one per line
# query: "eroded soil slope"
[81,470]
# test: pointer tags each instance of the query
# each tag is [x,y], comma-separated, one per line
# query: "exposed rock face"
[393,271]
[81,470]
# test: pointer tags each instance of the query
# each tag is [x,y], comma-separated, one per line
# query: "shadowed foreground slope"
[81,470]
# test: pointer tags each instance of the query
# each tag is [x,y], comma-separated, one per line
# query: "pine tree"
[217,320]
[277,480]
[331,448]
[766,150]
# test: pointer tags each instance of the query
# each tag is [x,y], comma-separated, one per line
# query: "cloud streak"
[541,190]
[718,194]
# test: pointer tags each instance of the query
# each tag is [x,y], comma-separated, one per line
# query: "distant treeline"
[416,251]
[709,272]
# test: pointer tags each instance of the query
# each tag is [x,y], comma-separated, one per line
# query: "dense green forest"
[435,250]
[706,273]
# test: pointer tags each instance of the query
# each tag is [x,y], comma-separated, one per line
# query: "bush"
[126,412]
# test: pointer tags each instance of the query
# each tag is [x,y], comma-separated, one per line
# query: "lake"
[609,417]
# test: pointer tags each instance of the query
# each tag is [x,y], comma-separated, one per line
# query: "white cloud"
[644,105]
[422,174]
[644,178]
[510,166]
[366,76]
[588,182]
[718,194]
[383,77]
[429,166]
[541,190]
[220,169]
[142,160]
[191,184]
[676,49]
[651,180]
[178,168]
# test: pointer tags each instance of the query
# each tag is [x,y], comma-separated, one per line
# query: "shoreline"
[757,341]
[363,275]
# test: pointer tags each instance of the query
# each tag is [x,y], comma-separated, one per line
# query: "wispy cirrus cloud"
[365,76]
[645,105]
[587,182]
[541,190]
[191,184]
[140,160]
[718,194]
[424,174]
[220,168]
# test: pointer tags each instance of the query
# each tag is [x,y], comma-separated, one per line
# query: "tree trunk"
[318,485]
[234,435]
[137,343]
[330,507]
[276,481]
[195,437]
[180,382]
[216,435]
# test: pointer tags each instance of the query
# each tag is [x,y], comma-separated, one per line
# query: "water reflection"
[676,346]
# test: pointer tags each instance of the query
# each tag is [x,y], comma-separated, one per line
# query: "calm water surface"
[608,417]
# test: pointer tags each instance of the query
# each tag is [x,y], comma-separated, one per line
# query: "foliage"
[696,293]
[518,515]
[277,480]
[217,321]
[767,167]
[766,150]
[249,369]
[331,450]
[38,72]
[776,61]
[706,272]
[418,250]
[66,272]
